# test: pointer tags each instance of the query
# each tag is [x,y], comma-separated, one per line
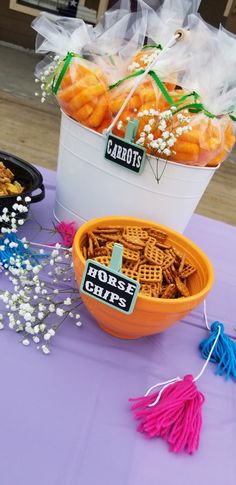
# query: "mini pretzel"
[181,287]
[85,252]
[151,241]
[131,273]
[103,251]
[187,271]
[147,257]
[94,239]
[168,275]
[146,289]
[177,253]
[129,245]
[160,235]
[167,261]
[136,241]
[150,274]
[109,229]
[90,247]
[130,264]
[153,254]
[104,260]
[170,291]
[110,237]
[136,231]
[156,289]
[130,254]
[162,245]
[182,263]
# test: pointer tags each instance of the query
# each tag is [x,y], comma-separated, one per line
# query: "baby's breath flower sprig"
[47,77]
[161,131]
[40,301]
[11,218]
[43,290]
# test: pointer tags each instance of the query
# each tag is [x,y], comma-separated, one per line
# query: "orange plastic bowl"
[150,315]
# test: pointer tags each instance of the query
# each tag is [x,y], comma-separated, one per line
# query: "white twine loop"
[209,356]
[168,383]
[165,384]
[205,315]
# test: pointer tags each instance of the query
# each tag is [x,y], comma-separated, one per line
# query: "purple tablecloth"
[65,419]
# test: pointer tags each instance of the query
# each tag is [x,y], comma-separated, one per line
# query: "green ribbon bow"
[151,46]
[164,91]
[66,62]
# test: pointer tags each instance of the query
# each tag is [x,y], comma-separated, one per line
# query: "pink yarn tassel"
[176,417]
[67,231]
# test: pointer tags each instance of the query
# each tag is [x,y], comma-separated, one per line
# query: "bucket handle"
[179,34]
[38,197]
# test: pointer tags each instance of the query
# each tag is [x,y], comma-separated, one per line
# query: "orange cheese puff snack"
[83,112]
[229,141]
[120,127]
[186,158]
[79,69]
[211,137]
[115,102]
[147,92]
[69,92]
[99,113]
[141,61]
[105,123]
[83,93]
[192,136]
[66,81]
[86,95]
[144,98]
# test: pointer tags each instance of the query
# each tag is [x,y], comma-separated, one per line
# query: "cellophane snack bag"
[208,72]
[161,25]
[81,88]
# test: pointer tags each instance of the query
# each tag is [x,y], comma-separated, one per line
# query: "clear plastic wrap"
[118,36]
[161,26]
[207,70]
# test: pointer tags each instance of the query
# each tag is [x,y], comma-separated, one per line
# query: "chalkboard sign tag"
[124,152]
[108,285]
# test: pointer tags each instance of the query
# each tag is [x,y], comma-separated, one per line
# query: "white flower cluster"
[148,58]
[134,66]
[46,79]
[44,292]
[169,124]
[11,218]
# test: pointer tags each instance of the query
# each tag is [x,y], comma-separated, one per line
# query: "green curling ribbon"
[193,107]
[161,87]
[56,83]
[158,82]
[153,46]
[155,78]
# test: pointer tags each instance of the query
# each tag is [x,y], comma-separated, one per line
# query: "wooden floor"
[32,132]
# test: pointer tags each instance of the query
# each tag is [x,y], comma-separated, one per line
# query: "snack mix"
[8,186]
[148,257]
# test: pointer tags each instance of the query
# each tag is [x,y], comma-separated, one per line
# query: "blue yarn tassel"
[224,354]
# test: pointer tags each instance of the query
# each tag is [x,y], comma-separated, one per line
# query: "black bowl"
[28,176]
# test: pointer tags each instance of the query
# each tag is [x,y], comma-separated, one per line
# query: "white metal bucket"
[90,186]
